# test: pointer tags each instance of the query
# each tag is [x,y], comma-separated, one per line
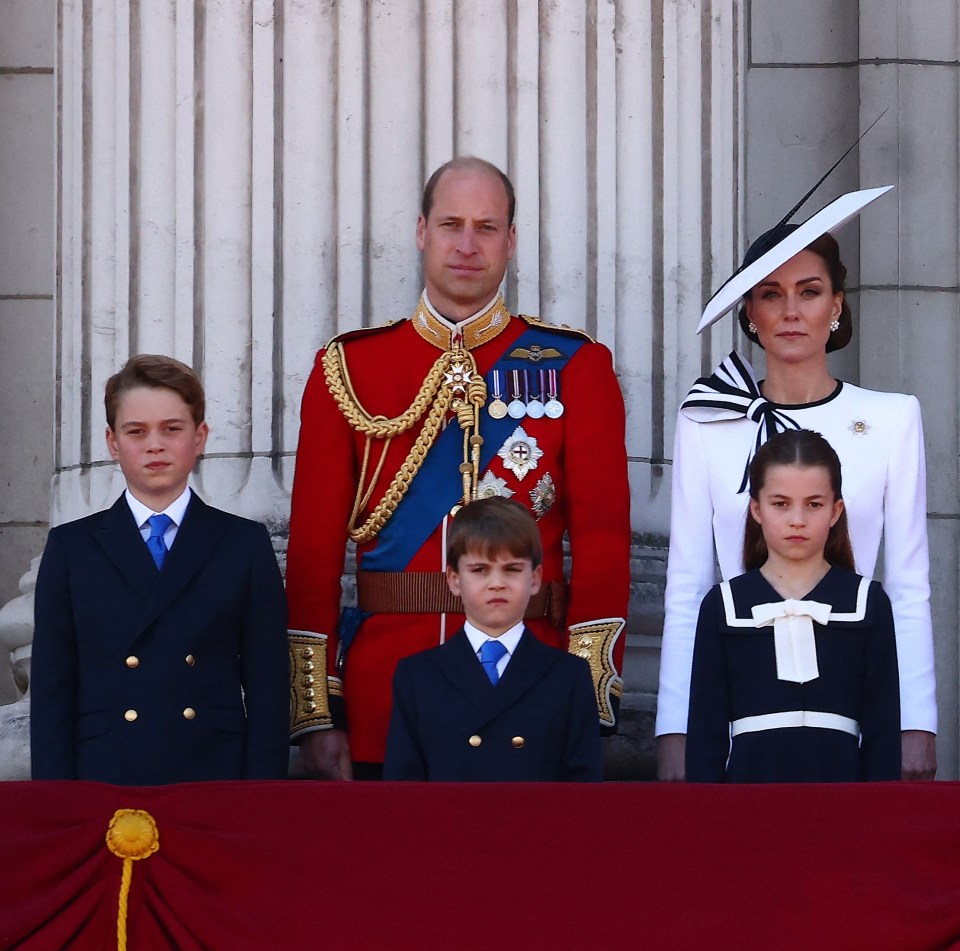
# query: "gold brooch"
[543,495]
[859,427]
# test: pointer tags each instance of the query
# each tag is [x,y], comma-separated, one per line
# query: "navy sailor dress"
[794,690]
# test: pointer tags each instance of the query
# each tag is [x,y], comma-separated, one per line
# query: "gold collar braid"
[477,331]
[453,384]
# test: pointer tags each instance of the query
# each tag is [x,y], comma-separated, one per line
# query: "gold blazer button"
[475,740]
[132,661]
[190,660]
[189,713]
[517,742]
[130,716]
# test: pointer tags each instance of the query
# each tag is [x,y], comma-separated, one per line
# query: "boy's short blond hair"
[156,371]
[492,526]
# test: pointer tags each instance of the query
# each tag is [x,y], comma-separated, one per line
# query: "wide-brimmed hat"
[779,244]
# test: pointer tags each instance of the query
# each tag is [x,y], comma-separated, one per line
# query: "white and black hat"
[776,246]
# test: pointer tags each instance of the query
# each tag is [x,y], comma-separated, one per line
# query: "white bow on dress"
[793,638]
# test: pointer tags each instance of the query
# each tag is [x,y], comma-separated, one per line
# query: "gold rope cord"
[434,399]
[132,835]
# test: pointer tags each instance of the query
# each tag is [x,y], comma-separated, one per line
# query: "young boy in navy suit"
[160,652]
[493,702]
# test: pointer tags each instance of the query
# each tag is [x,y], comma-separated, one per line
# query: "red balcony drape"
[393,866]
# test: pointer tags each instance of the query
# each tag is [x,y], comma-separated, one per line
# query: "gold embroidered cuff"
[310,687]
[594,641]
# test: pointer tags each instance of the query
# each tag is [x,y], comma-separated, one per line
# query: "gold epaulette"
[594,642]
[556,328]
[310,687]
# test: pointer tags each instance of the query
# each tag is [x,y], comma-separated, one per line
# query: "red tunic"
[583,451]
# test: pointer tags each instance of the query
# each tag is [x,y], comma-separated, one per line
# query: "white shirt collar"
[509,639]
[176,509]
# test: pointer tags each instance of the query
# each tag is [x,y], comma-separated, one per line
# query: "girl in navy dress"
[795,662]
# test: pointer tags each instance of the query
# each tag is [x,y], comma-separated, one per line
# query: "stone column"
[910,278]
[167,234]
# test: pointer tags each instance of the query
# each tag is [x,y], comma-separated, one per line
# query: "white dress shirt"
[509,639]
[176,510]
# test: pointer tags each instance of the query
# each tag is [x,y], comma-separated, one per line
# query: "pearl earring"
[752,327]
[834,325]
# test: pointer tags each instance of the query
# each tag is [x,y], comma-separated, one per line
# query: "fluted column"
[168,240]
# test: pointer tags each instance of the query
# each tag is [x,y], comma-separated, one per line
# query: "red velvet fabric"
[421,866]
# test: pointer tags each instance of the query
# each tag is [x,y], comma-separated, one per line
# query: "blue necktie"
[155,543]
[490,653]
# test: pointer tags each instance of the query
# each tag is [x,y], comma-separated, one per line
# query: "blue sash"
[438,486]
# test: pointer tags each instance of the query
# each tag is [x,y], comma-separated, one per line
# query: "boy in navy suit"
[493,703]
[159,653]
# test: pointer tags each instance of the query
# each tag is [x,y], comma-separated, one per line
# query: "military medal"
[553,407]
[520,453]
[516,408]
[535,408]
[491,485]
[497,409]
[543,495]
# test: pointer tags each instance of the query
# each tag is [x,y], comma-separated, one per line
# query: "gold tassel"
[132,835]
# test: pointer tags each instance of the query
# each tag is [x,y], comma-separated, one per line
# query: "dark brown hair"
[464,163]
[154,370]
[492,526]
[827,249]
[796,447]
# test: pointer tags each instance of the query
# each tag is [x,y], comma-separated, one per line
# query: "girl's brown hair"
[796,447]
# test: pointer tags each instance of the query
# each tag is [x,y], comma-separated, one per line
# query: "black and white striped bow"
[730,392]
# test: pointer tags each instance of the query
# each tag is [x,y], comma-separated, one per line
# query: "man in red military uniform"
[402,424]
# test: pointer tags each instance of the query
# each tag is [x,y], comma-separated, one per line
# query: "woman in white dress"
[793,305]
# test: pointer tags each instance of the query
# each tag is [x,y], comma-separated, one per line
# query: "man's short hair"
[492,526]
[156,371]
[473,164]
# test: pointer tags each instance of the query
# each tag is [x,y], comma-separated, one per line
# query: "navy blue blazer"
[140,676]
[449,723]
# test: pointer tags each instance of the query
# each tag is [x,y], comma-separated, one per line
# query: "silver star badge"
[520,453]
[491,485]
[859,427]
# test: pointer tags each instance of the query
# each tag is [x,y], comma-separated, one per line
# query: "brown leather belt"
[427,592]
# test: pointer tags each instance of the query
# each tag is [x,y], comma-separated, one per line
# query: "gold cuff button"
[517,742]
[475,740]
[132,661]
[190,660]
[130,716]
[189,713]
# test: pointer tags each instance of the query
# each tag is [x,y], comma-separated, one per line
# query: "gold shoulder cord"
[455,371]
